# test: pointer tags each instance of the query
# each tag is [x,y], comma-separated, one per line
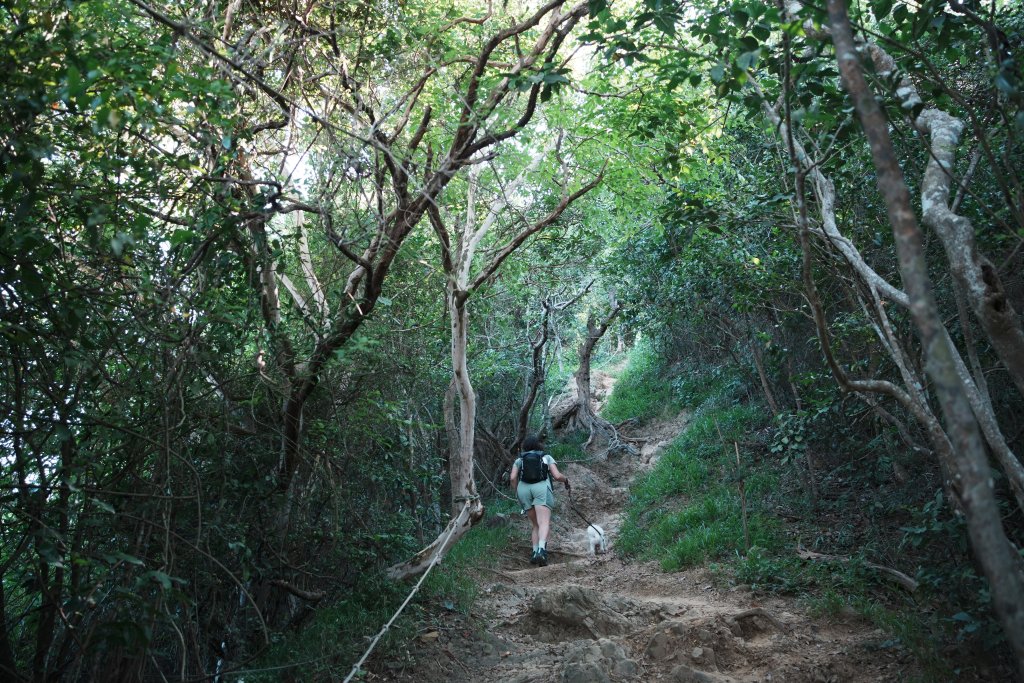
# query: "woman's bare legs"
[543,515]
[534,528]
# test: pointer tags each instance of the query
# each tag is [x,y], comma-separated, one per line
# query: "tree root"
[599,426]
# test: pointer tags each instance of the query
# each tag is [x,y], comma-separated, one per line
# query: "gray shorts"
[540,493]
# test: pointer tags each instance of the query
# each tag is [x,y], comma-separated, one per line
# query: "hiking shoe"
[542,557]
[533,557]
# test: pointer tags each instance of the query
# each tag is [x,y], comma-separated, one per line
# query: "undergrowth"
[686,512]
[336,635]
[569,448]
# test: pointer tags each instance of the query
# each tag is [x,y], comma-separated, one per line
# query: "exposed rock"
[687,674]
[651,449]
[615,655]
[527,677]
[579,607]
[590,490]
[584,672]
[704,656]
[703,643]
[665,643]
[590,662]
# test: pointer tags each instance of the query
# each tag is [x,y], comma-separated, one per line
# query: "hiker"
[531,478]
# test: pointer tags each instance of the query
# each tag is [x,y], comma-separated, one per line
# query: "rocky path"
[586,619]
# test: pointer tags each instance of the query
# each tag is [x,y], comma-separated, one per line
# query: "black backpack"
[534,468]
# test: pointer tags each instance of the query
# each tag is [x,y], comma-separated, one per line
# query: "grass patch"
[450,584]
[708,529]
[643,391]
[686,510]
[569,448]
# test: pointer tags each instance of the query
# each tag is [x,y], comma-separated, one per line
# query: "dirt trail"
[585,619]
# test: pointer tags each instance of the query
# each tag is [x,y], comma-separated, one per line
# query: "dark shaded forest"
[284,286]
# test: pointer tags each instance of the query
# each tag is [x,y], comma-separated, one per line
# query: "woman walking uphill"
[531,478]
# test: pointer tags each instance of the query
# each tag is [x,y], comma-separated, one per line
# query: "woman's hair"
[533,443]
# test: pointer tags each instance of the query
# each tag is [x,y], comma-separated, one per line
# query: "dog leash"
[573,508]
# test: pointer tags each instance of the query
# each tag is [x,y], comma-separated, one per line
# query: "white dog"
[596,539]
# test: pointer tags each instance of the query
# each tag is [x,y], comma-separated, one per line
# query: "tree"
[581,414]
[1000,562]
[799,95]
[458,253]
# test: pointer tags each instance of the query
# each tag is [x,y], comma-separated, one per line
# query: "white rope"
[437,556]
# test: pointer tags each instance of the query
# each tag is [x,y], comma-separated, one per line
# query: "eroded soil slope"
[589,618]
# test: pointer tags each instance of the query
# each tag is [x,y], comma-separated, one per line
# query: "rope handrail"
[384,629]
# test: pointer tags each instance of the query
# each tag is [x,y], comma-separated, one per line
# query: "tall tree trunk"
[466,506]
[460,467]
[451,420]
[584,411]
[457,258]
[984,521]
[584,416]
[537,376]
[755,351]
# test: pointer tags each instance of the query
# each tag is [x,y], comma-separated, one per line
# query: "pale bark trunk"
[916,402]
[537,377]
[451,425]
[984,521]
[460,466]
[585,417]
[457,261]
[457,527]
[461,435]
[973,272]
[584,411]
[956,233]
[912,399]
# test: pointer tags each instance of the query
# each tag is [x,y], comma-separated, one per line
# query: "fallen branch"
[905,582]
[312,596]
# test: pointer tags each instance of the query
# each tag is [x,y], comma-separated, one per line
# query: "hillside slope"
[598,618]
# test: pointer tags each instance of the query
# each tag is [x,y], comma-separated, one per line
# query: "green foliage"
[453,585]
[687,508]
[713,387]
[643,392]
[146,197]
[777,570]
[904,628]
[569,447]
[339,633]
